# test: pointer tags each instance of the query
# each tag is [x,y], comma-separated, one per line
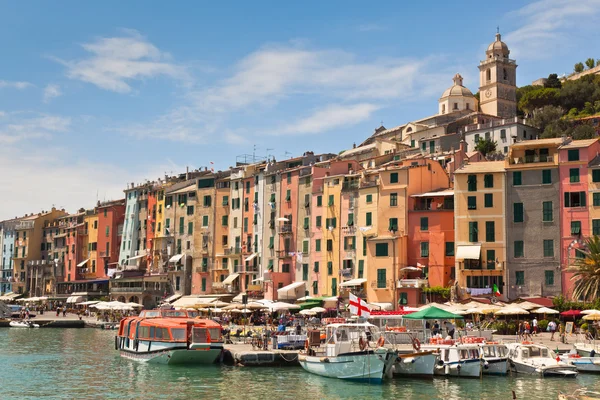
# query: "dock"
[244,354]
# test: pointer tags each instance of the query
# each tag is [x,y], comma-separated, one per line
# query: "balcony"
[350,254]
[284,253]
[232,251]
[285,230]
[350,185]
[434,207]
[136,289]
[411,283]
[496,58]
[202,270]
[533,159]
[368,184]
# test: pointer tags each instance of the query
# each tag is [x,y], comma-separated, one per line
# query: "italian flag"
[495,291]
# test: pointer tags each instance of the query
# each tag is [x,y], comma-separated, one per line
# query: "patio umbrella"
[571,313]
[590,312]
[282,219]
[433,313]
[511,311]
[545,310]
[233,306]
[526,305]
[592,317]
[135,305]
[308,312]
[256,306]
[279,306]
[318,309]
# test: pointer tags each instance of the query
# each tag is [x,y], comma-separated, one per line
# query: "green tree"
[539,98]
[574,94]
[578,67]
[583,131]
[520,93]
[586,271]
[553,82]
[542,117]
[486,146]
[590,63]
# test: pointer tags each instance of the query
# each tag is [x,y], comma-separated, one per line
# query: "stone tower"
[498,81]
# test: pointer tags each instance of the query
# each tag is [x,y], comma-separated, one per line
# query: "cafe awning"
[229,280]
[289,291]
[251,257]
[353,282]
[81,264]
[172,298]
[74,299]
[175,258]
[470,252]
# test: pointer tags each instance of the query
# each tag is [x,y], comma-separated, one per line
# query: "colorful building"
[111,217]
[7,239]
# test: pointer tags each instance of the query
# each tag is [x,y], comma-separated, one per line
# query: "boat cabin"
[161,313]
[349,338]
[494,350]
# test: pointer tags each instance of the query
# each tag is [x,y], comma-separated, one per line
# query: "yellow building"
[330,274]
[479,224]
[90,242]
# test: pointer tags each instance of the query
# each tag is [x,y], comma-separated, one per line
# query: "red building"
[111,215]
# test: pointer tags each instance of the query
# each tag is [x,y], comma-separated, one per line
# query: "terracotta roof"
[537,143]
[483,166]
[579,143]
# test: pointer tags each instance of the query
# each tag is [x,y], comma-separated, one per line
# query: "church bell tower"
[498,81]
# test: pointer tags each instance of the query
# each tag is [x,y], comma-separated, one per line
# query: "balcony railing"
[411,283]
[350,185]
[433,207]
[285,229]
[283,253]
[367,184]
[532,159]
[233,250]
[136,289]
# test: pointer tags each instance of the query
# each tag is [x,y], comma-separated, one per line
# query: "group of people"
[436,328]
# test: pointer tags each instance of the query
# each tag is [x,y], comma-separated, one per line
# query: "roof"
[483,166]
[579,143]
[498,45]
[184,189]
[448,192]
[537,143]
[359,150]
[595,161]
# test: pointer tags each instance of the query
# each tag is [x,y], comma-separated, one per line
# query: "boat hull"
[417,365]
[558,370]
[175,356]
[15,324]
[360,366]
[584,364]
[464,369]
[585,350]
[495,366]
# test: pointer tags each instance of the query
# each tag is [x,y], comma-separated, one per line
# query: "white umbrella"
[135,305]
[590,312]
[305,298]
[282,219]
[546,310]
[283,306]
[525,305]
[511,311]
[318,309]
[592,317]
[308,312]
[89,303]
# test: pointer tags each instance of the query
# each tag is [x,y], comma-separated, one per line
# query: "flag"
[359,307]
[495,291]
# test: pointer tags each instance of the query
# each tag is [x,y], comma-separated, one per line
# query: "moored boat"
[583,364]
[587,349]
[537,359]
[23,324]
[349,353]
[495,358]
[169,337]
[417,364]
[456,359]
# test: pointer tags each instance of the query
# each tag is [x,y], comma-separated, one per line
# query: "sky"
[94,95]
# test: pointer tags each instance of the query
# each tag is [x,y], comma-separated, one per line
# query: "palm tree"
[587,271]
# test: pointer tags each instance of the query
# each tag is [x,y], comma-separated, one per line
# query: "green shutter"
[224,220]
[490,232]
[520,277]
[190,228]
[596,199]
[472,203]
[546,177]
[271,242]
[575,227]
[394,177]
[318,245]
[488,200]
[288,195]
[473,236]
[424,224]
[488,181]
[369,198]
[548,248]
[331,200]
[305,247]
[369,220]
[364,245]
[319,201]
[519,252]
[361,268]
[329,268]
[318,221]
[596,227]
[573,155]
[205,220]
[549,277]
[596,175]
[316,267]
[472,183]
[381,278]
[393,225]
[517,178]
[381,250]
[306,222]
[350,219]
[490,259]
[424,249]
[449,249]
[181,227]
[547,212]
[574,175]
[518,212]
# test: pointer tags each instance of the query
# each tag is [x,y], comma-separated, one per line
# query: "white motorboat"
[537,359]
[587,349]
[23,324]
[495,358]
[583,364]
[349,353]
[416,364]
[464,360]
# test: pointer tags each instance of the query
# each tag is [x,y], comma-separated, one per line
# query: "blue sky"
[97,94]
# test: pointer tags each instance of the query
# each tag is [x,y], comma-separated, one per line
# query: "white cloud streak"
[51,91]
[114,62]
[22,126]
[15,85]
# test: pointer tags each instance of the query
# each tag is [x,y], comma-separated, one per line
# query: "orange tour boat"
[169,337]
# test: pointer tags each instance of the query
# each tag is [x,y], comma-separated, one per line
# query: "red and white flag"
[359,307]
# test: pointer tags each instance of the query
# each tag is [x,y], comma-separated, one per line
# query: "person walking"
[535,325]
[552,329]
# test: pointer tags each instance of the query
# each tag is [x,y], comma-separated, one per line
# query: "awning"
[258,279]
[136,257]
[75,299]
[175,258]
[81,264]
[251,257]
[229,280]
[471,252]
[441,193]
[238,298]
[353,282]
[172,298]
[382,306]
[289,291]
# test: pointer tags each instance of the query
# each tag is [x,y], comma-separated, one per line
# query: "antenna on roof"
[286,153]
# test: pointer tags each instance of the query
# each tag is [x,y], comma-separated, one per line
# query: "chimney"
[462,146]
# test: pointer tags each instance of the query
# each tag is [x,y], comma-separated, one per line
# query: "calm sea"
[81,364]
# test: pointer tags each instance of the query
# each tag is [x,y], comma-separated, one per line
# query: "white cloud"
[20,126]
[113,62]
[546,26]
[330,117]
[51,91]
[15,84]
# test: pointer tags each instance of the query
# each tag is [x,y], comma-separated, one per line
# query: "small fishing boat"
[537,359]
[417,364]
[455,358]
[495,358]
[349,353]
[583,364]
[169,337]
[23,324]
[587,349]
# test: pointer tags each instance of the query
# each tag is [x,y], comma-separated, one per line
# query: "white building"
[504,132]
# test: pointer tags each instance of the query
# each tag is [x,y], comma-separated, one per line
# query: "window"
[596,175]
[579,254]
[306,222]
[304,272]
[424,146]
[472,183]
[368,219]
[487,136]
[318,220]
[330,203]
[403,295]
[502,133]
[488,181]
[517,178]
[167,223]
[289,177]
[575,227]
[596,227]
[329,268]
[207,201]
[381,278]
[107,232]
[490,231]
[285,268]
[205,220]
[519,251]
[596,199]
[318,245]
[477,138]
[518,212]
[574,175]
[424,224]
[369,198]
[319,201]
[248,187]
[472,203]
[225,200]
[488,200]
[381,250]
[364,242]
[350,219]
[424,249]
[271,242]
[549,277]
[393,199]
[288,195]
[546,177]
[190,210]
[224,220]
[473,236]
[575,199]
[573,155]
[449,249]
[305,247]
[329,245]
[548,248]
[394,177]
[190,228]
[520,277]
[505,150]
[181,225]
[393,225]
[547,213]
[490,259]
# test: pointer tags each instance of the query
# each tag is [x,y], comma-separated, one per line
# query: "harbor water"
[82,364]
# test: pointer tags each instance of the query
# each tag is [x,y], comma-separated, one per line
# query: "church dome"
[498,47]
[457,89]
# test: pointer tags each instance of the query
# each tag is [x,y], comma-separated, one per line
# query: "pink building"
[574,202]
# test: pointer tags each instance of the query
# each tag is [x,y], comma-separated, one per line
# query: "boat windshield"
[489,351]
[347,333]
[178,334]
[534,351]
[469,354]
